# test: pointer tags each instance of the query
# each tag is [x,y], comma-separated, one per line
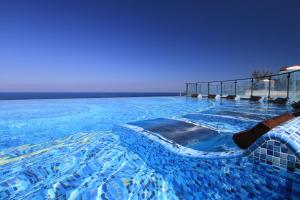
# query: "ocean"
[72,95]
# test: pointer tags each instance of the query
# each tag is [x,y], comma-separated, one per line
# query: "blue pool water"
[67,149]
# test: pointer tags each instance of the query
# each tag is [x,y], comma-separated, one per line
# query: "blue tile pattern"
[280,147]
[66,149]
[269,168]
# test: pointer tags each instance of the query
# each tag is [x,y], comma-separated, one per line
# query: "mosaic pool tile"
[270,167]
[279,147]
[67,150]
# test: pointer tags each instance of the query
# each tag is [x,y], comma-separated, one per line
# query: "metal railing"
[284,85]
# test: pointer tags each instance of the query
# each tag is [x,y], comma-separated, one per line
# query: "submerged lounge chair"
[195,95]
[296,105]
[211,96]
[255,98]
[245,138]
[232,97]
[280,101]
[214,96]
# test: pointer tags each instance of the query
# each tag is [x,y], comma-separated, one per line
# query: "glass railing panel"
[215,88]
[275,86]
[278,86]
[228,88]
[243,88]
[202,88]
[191,88]
[261,87]
[294,88]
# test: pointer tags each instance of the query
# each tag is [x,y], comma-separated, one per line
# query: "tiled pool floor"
[60,149]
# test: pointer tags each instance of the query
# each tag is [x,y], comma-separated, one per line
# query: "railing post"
[207,88]
[186,89]
[269,92]
[197,88]
[288,85]
[221,89]
[235,82]
[252,87]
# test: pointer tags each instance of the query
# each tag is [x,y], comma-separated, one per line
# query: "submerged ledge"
[142,141]
[280,147]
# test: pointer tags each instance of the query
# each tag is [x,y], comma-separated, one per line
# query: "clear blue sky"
[142,45]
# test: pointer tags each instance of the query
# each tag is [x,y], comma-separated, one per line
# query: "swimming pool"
[72,149]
